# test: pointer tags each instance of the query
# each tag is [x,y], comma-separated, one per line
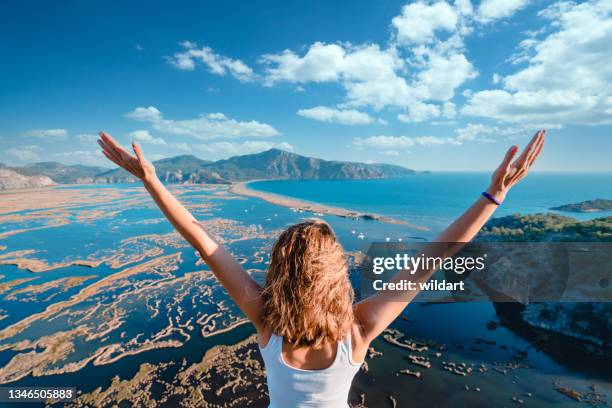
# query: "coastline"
[241,188]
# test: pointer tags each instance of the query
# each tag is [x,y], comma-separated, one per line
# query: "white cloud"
[146,137]
[321,63]
[86,157]
[568,77]
[332,115]
[217,64]
[444,73]
[372,76]
[367,72]
[149,114]
[400,142]
[449,110]
[490,10]
[390,145]
[210,126]
[393,153]
[420,112]
[477,132]
[47,133]
[419,21]
[233,148]
[86,137]
[25,154]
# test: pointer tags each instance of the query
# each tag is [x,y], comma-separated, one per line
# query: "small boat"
[361,235]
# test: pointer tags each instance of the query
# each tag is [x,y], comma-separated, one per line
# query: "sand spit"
[29,293]
[315,208]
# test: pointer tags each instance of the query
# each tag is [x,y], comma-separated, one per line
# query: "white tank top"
[294,387]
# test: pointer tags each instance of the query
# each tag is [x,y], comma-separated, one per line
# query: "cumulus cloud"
[146,137]
[217,64]
[47,133]
[375,77]
[490,10]
[148,114]
[24,154]
[567,80]
[443,74]
[206,126]
[478,132]
[400,142]
[333,115]
[419,71]
[419,21]
[87,157]
[86,137]
[473,132]
[420,112]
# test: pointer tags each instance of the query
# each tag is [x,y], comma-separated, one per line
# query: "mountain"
[275,163]
[61,173]
[179,169]
[271,164]
[11,180]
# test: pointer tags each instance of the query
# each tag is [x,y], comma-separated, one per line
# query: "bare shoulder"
[263,335]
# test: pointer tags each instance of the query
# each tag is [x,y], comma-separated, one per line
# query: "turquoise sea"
[435,199]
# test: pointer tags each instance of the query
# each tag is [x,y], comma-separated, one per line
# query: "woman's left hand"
[511,172]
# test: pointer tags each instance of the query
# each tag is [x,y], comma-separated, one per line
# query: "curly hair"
[308,298]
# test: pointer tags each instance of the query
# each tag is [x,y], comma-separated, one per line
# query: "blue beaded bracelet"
[491,198]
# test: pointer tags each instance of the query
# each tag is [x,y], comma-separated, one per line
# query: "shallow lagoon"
[179,299]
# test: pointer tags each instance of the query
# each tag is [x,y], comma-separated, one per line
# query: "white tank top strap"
[274,344]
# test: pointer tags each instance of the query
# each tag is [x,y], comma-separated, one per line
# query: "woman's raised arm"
[378,311]
[239,284]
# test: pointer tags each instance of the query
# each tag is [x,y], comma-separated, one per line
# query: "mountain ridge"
[269,164]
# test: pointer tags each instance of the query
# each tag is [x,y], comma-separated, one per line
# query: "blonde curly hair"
[308,298]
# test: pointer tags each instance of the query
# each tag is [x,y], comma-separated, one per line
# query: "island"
[599,204]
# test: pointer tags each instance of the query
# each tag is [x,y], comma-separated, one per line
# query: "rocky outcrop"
[11,180]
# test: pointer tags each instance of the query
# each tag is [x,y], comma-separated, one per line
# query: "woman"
[312,337]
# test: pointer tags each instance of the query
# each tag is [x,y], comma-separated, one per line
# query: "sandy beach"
[242,188]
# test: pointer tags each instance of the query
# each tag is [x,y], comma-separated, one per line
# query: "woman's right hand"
[138,166]
[511,172]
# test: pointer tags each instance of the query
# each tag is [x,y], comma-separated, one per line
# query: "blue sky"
[428,85]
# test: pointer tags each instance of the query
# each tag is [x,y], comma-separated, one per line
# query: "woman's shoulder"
[359,341]
[263,336]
